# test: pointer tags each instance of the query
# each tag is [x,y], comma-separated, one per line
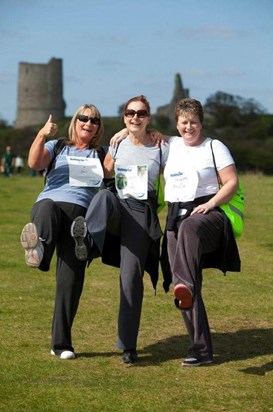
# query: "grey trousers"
[195,236]
[53,221]
[108,214]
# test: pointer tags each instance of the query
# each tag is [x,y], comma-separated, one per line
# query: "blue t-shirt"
[57,187]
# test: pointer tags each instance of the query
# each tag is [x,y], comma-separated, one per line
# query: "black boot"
[130,356]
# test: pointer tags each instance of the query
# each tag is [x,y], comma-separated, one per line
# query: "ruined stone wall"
[40,93]
[178,93]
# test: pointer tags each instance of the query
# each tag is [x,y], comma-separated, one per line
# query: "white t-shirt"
[189,172]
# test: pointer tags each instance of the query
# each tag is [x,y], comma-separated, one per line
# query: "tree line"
[242,124]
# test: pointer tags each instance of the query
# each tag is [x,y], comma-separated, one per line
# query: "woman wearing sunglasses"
[198,234]
[128,218]
[74,178]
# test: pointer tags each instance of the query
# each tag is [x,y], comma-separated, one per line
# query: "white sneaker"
[65,354]
[34,249]
[196,362]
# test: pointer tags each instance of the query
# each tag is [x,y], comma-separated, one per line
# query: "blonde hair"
[72,134]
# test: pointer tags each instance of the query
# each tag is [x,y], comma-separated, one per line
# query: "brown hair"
[192,106]
[140,98]
[72,135]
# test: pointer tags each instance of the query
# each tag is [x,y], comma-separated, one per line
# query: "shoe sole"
[194,365]
[29,240]
[191,365]
[78,232]
[29,236]
[184,297]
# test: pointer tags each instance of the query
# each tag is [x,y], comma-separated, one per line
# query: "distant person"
[199,234]
[7,162]
[67,194]
[18,164]
[130,216]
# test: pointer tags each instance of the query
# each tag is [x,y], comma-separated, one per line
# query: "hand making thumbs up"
[50,128]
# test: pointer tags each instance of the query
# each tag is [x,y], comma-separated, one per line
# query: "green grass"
[239,306]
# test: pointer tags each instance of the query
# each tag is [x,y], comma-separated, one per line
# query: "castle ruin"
[178,94]
[40,93]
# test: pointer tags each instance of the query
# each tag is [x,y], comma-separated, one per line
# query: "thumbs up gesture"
[50,128]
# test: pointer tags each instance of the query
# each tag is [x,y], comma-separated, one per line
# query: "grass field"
[239,306]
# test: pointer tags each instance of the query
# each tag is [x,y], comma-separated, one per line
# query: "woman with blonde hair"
[74,173]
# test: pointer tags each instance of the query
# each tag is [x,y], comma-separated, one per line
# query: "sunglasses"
[85,119]
[140,113]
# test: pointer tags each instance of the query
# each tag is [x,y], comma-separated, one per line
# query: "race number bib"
[85,171]
[132,181]
[181,185]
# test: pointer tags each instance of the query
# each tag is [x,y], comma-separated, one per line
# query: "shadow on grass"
[228,347]
[97,354]
[259,370]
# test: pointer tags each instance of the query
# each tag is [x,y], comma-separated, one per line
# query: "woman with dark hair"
[73,178]
[130,217]
[199,234]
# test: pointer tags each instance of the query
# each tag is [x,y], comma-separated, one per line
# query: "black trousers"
[53,221]
[193,237]
[107,214]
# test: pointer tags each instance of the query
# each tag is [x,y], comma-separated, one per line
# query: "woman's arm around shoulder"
[108,165]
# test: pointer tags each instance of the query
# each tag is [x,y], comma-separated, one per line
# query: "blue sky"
[113,50]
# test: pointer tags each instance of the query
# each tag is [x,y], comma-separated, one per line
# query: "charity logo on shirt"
[132,181]
[181,185]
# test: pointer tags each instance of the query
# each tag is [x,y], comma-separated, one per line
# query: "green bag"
[159,190]
[159,194]
[235,208]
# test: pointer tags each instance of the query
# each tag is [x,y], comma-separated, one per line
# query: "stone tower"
[179,93]
[40,93]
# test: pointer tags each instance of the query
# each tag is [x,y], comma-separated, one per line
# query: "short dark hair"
[189,106]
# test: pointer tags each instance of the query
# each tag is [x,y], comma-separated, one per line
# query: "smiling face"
[86,130]
[136,123]
[189,127]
